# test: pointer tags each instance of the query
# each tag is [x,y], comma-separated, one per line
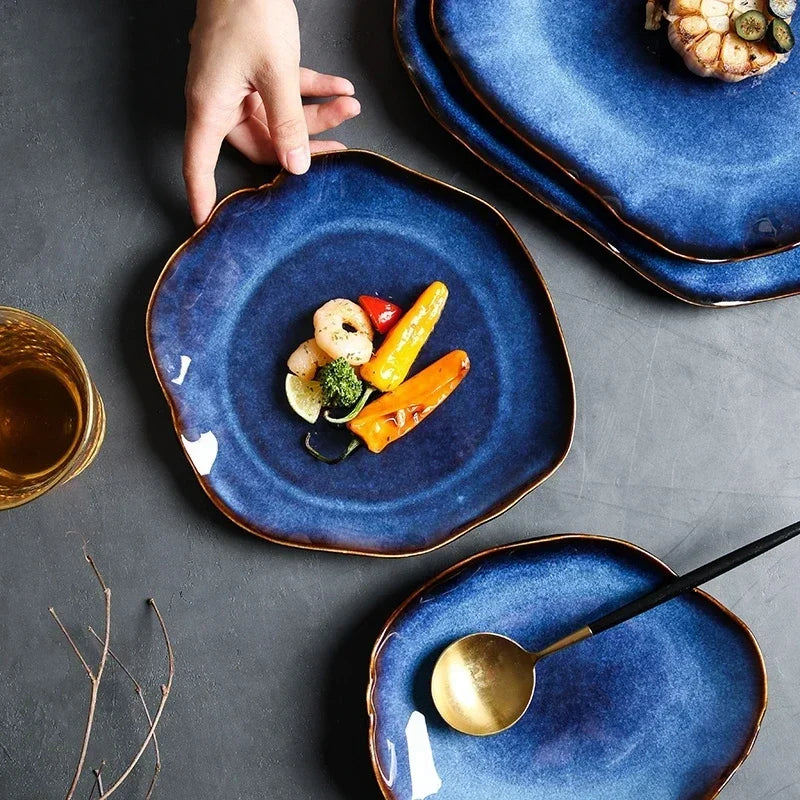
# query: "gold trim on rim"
[539,150]
[442,576]
[491,513]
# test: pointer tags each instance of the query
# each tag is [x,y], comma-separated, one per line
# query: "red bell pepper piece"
[382,313]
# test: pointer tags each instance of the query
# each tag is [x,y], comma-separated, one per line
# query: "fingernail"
[298,160]
[350,88]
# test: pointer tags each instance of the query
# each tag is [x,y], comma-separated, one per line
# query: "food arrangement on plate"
[727,39]
[322,370]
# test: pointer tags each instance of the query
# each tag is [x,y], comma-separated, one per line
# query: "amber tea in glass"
[51,417]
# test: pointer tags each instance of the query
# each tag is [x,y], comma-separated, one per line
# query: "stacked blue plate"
[691,182]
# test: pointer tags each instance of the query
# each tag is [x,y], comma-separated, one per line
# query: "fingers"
[280,90]
[253,145]
[251,139]
[317,84]
[204,137]
[321,117]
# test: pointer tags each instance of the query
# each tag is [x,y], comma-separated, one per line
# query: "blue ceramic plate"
[460,113]
[705,169]
[237,298]
[664,707]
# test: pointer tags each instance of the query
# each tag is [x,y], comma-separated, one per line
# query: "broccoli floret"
[340,384]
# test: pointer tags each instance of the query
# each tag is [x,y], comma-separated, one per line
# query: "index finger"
[201,149]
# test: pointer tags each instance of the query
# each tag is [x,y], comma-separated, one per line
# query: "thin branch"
[139,691]
[165,690]
[98,777]
[98,781]
[94,568]
[71,643]
[94,677]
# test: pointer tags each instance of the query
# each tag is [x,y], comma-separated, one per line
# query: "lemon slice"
[305,397]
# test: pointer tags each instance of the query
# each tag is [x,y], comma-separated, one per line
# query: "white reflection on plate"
[185,361]
[425,780]
[202,452]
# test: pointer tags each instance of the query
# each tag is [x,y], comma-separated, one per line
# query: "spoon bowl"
[483,683]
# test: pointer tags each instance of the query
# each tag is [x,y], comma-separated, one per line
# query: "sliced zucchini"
[782,8]
[751,26]
[780,36]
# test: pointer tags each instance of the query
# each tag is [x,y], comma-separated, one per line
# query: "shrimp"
[704,33]
[307,359]
[342,330]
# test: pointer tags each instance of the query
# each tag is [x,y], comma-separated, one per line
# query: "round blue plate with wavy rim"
[238,297]
[703,168]
[449,102]
[664,707]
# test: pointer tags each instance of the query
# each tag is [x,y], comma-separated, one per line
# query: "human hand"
[245,84]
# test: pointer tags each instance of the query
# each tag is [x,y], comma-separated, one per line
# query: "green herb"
[340,384]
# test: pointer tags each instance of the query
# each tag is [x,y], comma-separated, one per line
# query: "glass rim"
[87,397]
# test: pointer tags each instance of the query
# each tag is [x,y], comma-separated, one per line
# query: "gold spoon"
[483,683]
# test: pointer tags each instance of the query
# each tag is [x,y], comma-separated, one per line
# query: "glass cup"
[52,420]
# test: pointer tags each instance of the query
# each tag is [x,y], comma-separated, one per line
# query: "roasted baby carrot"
[394,414]
[387,369]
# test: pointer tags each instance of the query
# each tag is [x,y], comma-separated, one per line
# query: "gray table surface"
[686,437]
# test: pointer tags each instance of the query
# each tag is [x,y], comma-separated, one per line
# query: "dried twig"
[165,690]
[94,676]
[139,691]
[98,778]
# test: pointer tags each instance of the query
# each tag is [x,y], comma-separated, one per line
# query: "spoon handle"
[694,578]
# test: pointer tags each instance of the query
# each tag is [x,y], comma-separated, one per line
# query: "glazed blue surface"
[704,167]
[453,105]
[240,297]
[663,707]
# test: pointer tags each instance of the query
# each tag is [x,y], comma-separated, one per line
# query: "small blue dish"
[664,707]
[450,103]
[703,168]
[237,298]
